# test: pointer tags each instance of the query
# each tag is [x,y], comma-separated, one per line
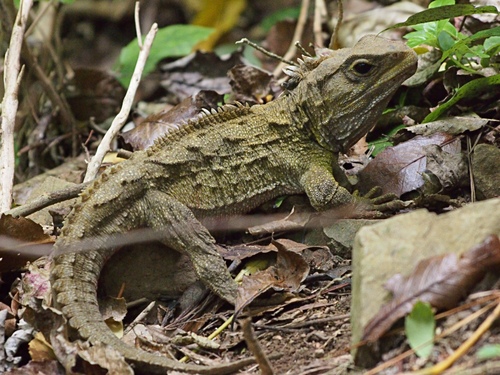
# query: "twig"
[319,13]
[12,79]
[124,154]
[120,119]
[254,346]
[47,200]
[140,317]
[265,51]
[334,41]
[301,22]
[56,99]
[138,24]
[302,49]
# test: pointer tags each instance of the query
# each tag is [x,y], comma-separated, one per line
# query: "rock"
[486,171]
[339,236]
[396,245]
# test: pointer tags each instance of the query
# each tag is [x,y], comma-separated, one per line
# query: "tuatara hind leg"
[182,232]
[75,274]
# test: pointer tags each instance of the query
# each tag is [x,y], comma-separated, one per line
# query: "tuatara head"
[342,93]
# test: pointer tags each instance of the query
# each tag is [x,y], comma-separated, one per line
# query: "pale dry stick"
[213,335]
[12,80]
[334,40]
[319,13]
[265,51]
[138,23]
[47,199]
[139,317]
[299,30]
[470,150]
[120,119]
[255,348]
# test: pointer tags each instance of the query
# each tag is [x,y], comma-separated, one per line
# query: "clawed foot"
[376,205]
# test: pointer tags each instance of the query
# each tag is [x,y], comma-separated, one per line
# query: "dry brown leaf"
[290,270]
[107,358]
[94,93]
[399,169]
[441,281]
[37,368]
[198,71]
[156,125]
[252,85]
[39,349]
[19,239]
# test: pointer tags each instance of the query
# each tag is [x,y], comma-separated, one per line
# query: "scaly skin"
[226,163]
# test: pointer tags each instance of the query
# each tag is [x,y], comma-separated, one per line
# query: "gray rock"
[396,245]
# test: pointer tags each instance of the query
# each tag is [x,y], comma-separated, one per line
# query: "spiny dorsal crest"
[204,119]
[306,64]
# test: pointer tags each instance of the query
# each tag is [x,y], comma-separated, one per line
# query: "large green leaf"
[444,12]
[170,41]
[469,90]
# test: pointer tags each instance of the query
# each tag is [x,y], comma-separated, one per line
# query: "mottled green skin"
[221,164]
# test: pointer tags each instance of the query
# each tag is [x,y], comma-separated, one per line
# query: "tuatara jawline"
[223,163]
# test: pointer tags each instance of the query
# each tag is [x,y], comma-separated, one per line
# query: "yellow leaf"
[222,15]
[116,327]
[39,349]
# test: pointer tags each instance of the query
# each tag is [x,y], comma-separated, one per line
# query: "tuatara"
[226,162]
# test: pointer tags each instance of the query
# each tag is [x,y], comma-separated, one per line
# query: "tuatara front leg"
[322,189]
[325,192]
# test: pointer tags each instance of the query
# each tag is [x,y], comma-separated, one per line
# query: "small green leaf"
[470,89]
[278,202]
[170,41]
[444,12]
[419,327]
[491,44]
[379,145]
[440,3]
[445,41]
[488,352]
[291,13]
[461,47]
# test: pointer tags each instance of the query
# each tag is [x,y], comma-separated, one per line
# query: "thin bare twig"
[12,79]
[265,51]
[299,30]
[47,200]
[319,13]
[334,41]
[255,348]
[56,99]
[120,119]
[138,24]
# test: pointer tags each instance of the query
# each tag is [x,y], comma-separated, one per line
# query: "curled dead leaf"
[441,281]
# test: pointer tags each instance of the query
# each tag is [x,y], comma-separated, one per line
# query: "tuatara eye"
[362,67]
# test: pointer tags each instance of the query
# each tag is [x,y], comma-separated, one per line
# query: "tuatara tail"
[74,280]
